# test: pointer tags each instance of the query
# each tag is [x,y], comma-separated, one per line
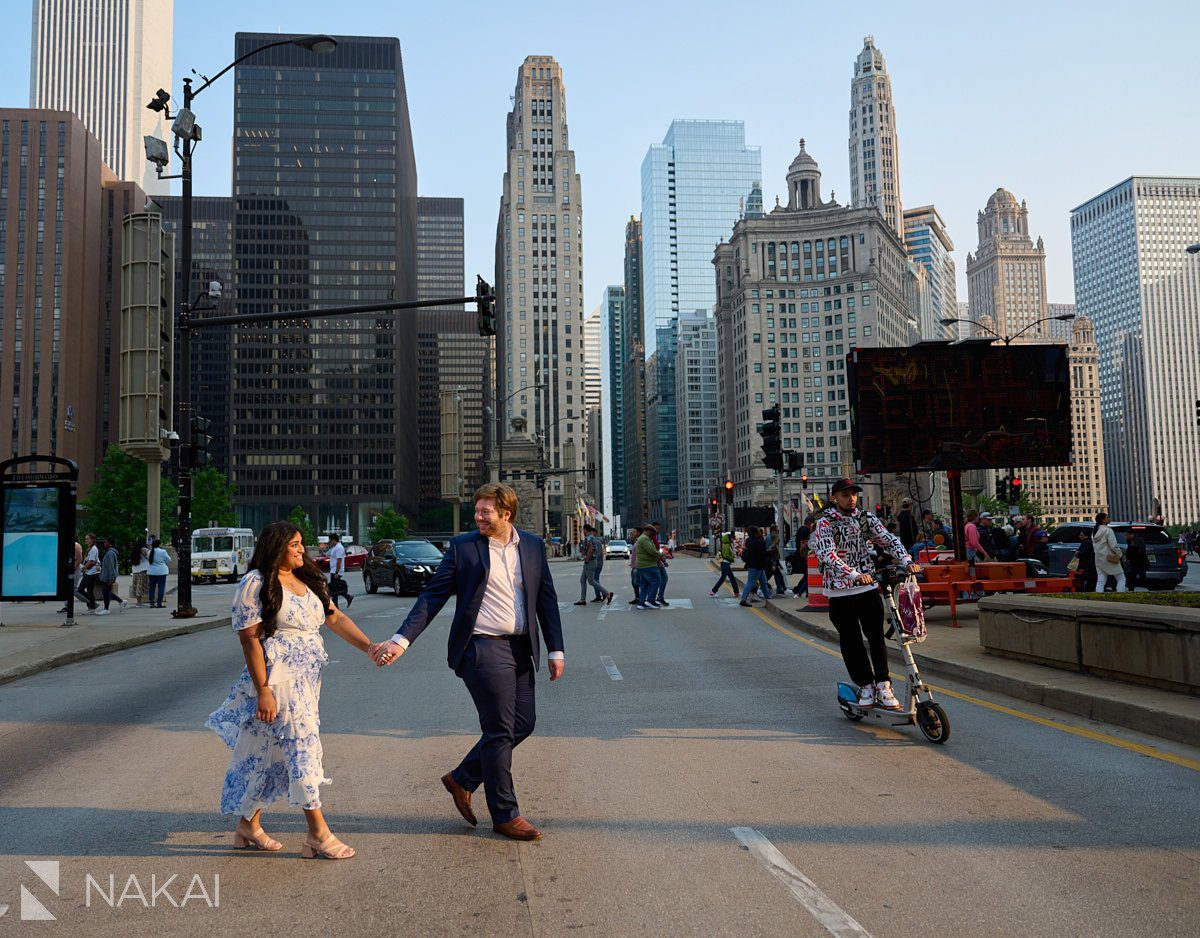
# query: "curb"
[1140,717]
[105,648]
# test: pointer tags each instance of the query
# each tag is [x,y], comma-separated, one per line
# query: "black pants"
[853,617]
[499,675]
[1136,577]
[109,591]
[87,589]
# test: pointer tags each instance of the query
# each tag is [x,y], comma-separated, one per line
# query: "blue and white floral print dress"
[282,757]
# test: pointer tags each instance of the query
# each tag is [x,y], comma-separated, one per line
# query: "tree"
[389,526]
[212,499]
[299,517]
[116,503]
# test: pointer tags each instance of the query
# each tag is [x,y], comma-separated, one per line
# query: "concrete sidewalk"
[955,653]
[33,638]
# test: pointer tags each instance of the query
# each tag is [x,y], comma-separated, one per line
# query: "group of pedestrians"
[97,564]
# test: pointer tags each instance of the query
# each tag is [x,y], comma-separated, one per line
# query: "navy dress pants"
[499,675]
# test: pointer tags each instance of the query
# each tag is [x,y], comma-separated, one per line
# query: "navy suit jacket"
[463,573]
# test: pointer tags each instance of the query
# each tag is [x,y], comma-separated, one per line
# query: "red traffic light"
[1016,483]
[878,509]
[728,485]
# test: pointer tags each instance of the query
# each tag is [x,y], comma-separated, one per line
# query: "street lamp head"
[159,101]
[321,45]
[1065,317]
[1193,248]
[950,322]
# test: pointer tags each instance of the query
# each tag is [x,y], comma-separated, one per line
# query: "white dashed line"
[830,915]
[611,668]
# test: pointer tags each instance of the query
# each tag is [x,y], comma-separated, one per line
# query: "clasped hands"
[384,653]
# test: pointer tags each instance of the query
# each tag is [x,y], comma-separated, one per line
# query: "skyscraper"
[1006,276]
[61,211]
[593,393]
[539,279]
[1134,279]
[613,334]
[212,350]
[694,188]
[929,244]
[796,290]
[874,142]
[696,391]
[450,355]
[634,510]
[325,201]
[103,60]
[1006,288]
[591,360]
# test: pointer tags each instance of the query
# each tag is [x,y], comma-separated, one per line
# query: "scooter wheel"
[933,722]
[851,715]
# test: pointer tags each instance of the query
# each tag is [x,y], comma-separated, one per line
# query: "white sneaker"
[866,695]
[887,700]
[121,608]
[712,592]
[101,612]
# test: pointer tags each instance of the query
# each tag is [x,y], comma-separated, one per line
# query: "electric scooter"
[920,707]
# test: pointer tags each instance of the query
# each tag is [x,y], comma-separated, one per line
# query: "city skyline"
[1060,156]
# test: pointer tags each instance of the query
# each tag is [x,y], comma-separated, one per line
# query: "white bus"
[221,552]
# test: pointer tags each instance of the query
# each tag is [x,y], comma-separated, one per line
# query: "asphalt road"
[691,774]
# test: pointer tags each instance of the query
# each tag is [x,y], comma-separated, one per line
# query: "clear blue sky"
[1054,101]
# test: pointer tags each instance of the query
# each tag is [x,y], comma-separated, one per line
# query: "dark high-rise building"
[212,362]
[613,312]
[450,355]
[324,411]
[635,510]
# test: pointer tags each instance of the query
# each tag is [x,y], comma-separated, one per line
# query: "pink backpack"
[912,611]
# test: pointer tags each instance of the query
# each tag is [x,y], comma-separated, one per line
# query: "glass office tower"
[325,203]
[1141,289]
[694,188]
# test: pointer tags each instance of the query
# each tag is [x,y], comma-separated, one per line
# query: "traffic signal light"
[1002,490]
[1015,489]
[772,441]
[795,461]
[879,511]
[199,456]
[729,491]
[486,304]
[713,504]
[804,479]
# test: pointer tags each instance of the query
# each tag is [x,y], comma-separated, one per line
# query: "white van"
[221,552]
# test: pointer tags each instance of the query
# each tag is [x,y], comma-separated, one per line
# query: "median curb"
[1165,714]
[98,648]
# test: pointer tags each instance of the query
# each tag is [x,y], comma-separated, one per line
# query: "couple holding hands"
[270,720]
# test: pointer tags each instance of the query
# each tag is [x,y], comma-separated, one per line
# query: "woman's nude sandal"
[330,849]
[256,839]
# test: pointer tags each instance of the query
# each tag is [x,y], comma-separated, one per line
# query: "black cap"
[845,485]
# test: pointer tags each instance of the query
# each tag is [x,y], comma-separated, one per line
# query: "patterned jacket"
[840,543]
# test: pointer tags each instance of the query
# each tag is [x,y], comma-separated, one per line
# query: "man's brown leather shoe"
[462,798]
[518,829]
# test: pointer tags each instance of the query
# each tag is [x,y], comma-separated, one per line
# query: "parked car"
[356,556]
[404,566]
[616,549]
[1167,565]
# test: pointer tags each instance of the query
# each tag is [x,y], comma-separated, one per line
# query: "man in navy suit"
[503,590]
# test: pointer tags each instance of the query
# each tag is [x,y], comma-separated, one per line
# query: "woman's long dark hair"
[269,555]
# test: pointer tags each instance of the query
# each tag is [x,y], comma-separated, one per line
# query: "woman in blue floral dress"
[270,719]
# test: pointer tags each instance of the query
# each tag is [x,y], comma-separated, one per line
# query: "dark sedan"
[404,566]
[1167,567]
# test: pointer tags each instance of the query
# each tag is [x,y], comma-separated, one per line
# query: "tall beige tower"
[539,279]
[103,60]
[874,142]
[1006,289]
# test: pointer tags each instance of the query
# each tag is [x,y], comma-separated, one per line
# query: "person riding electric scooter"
[840,541]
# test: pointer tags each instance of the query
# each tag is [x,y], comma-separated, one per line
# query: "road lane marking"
[611,667]
[832,917]
[1095,735]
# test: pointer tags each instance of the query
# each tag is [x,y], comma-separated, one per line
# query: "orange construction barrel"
[816,589]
